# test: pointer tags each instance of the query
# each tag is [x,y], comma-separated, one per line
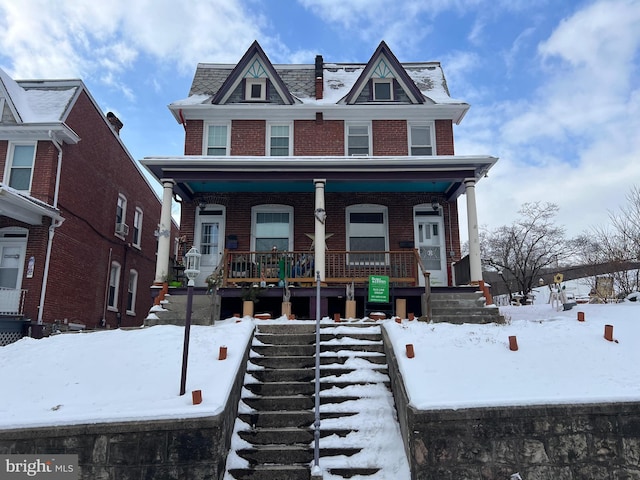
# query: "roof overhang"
[39,131]
[194,175]
[330,111]
[14,204]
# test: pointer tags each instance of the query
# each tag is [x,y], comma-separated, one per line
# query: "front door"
[429,235]
[209,235]
[11,267]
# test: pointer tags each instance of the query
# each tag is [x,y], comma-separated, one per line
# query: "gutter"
[52,229]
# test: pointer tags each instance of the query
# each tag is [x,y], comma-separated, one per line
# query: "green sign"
[379,288]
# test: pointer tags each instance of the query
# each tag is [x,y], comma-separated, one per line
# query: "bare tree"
[616,246]
[522,250]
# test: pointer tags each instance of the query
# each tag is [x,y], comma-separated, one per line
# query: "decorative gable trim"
[384,65]
[253,65]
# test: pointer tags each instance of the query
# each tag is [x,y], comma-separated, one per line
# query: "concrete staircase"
[174,308]
[463,307]
[273,436]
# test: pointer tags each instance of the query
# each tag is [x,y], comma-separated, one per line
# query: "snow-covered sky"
[554,87]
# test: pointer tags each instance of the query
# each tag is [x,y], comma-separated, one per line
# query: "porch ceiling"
[433,174]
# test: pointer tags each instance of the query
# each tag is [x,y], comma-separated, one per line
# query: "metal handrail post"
[316,423]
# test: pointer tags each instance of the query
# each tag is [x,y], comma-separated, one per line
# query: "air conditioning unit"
[122,229]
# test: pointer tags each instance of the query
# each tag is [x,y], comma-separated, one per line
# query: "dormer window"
[382,89]
[256,89]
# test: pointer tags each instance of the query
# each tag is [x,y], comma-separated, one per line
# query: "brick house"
[77,216]
[337,170]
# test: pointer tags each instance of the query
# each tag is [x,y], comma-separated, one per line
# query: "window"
[218,140]
[367,232]
[255,89]
[358,140]
[209,238]
[131,292]
[121,216]
[382,89]
[20,166]
[420,141]
[137,227]
[273,226]
[114,284]
[279,140]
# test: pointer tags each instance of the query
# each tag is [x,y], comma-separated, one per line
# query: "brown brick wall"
[444,137]
[248,137]
[194,132]
[318,138]
[390,137]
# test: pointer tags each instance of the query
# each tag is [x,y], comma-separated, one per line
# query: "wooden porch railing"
[402,267]
[11,301]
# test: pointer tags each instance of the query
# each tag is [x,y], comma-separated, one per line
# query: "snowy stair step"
[290,454]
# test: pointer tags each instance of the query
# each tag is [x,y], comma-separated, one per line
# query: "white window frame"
[122,206]
[137,228]
[271,208]
[114,283]
[205,138]
[248,89]
[270,137]
[377,81]
[432,137]
[347,126]
[10,158]
[367,208]
[132,292]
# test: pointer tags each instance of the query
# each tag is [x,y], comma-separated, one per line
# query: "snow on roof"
[431,82]
[192,100]
[45,103]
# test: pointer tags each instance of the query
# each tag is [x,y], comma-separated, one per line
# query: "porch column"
[475,265]
[164,233]
[319,233]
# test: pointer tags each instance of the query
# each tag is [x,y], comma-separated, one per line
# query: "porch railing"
[11,301]
[403,267]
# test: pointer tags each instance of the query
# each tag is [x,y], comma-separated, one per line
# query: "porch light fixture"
[434,204]
[192,270]
[202,205]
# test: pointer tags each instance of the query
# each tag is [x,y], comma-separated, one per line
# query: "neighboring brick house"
[78,219]
[352,165]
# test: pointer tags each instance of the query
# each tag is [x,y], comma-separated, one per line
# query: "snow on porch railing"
[11,301]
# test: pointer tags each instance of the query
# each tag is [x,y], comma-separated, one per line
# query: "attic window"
[256,89]
[382,89]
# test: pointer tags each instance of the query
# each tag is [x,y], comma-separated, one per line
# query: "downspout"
[54,224]
[182,120]
[103,322]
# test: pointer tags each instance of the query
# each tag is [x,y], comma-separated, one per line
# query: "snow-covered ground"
[135,375]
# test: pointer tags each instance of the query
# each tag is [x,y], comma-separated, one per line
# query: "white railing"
[11,301]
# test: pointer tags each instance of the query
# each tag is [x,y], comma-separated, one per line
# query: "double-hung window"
[20,166]
[420,139]
[137,227]
[358,139]
[279,140]
[114,286]
[131,292]
[217,140]
[121,216]
[367,233]
[273,227]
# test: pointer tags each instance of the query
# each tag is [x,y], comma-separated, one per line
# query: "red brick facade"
[93,173]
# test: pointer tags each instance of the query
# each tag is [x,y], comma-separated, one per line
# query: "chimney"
[319,77]
[115,122]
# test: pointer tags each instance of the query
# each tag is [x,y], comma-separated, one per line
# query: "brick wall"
[94,172]
[248,137]
[444,137]
[315,138]
[194,132]
[390,137]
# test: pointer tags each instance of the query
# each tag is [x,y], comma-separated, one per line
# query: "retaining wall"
[194,448]
[553,442]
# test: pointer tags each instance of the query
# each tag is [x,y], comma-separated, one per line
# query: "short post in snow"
[192,270]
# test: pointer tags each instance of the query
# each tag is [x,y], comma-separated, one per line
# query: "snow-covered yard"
[134,375]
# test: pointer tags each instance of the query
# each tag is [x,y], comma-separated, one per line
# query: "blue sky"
[554,87]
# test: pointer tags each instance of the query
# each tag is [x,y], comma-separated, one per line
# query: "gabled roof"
[35,108]
[384,64]
[254,63]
